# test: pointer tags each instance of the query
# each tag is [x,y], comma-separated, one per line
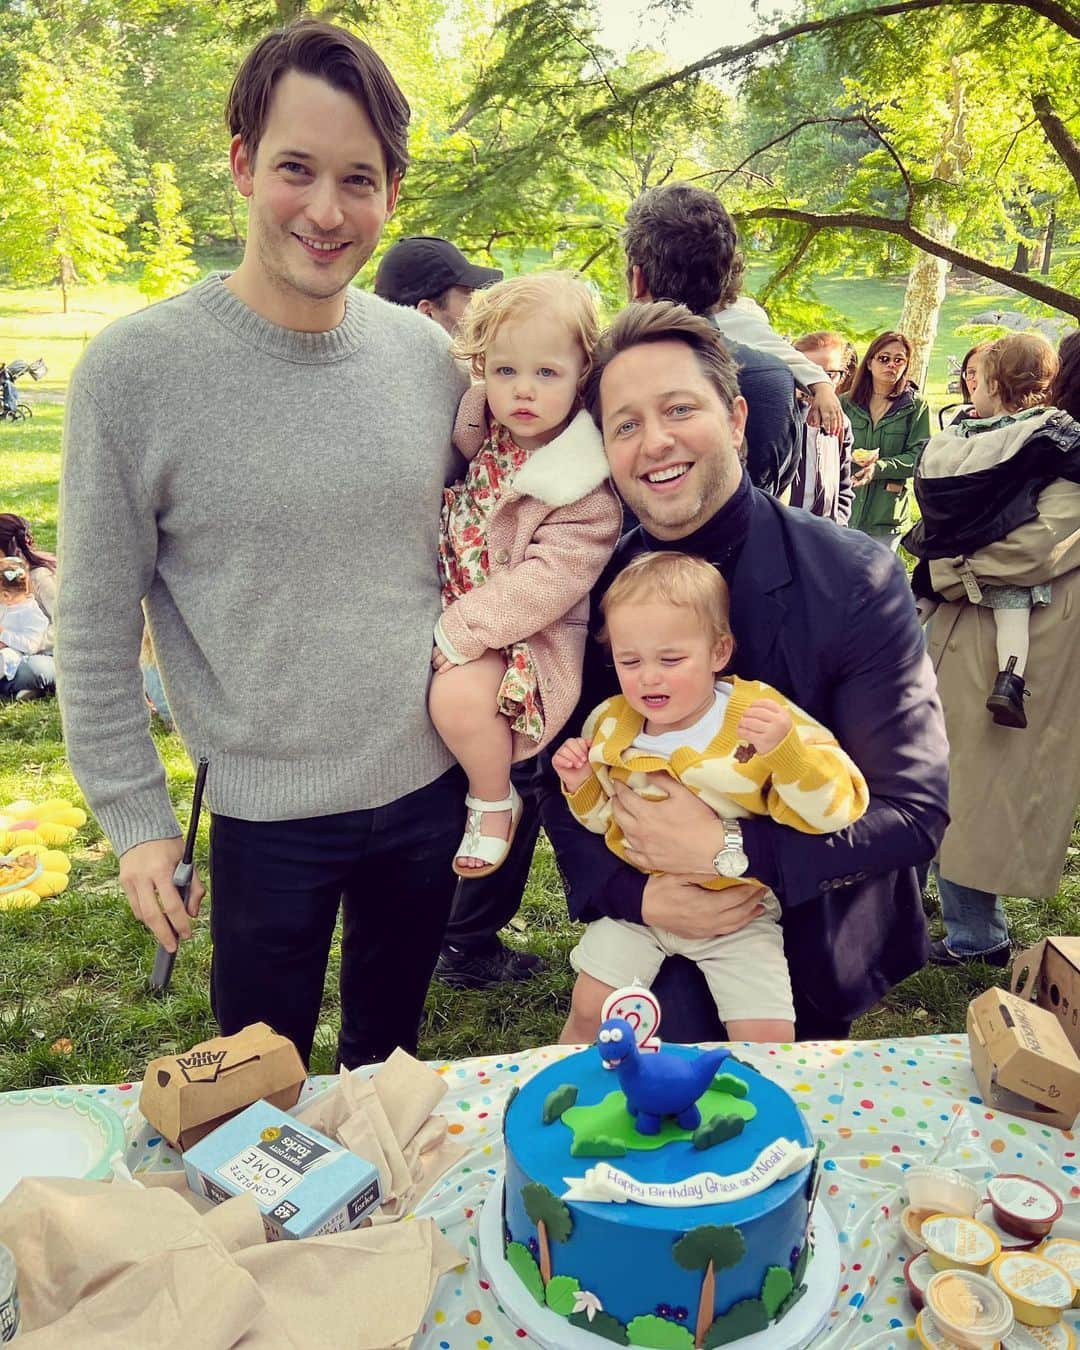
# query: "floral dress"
[464,565]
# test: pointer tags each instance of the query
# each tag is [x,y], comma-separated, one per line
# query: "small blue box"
[303,1182]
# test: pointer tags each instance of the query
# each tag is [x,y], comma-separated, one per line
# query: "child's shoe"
[491,850]
[1006,702]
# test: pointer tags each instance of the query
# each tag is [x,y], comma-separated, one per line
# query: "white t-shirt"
[22,631]
[697,737]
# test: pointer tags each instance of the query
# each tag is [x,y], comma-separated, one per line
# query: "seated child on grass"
[740,745]
[23,623]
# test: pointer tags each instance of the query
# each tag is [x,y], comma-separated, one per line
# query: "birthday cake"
[652,1218]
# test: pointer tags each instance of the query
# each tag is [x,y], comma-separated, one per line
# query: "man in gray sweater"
[261,462]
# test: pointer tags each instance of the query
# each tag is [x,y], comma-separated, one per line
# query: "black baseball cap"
[423,266]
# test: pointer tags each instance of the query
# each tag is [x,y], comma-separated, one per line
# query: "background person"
[821,614]
[23,624]
[433,276]
[36,675]
[890,425]
[318,394]
[681,245]
[1012,799]
[822,483]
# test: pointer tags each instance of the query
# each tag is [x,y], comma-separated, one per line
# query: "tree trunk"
[67,278]
[926,280]
[705,1305]
[545,1251]
[1048,242]
[1022,261]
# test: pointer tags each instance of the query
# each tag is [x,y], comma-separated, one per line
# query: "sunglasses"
[835,375]
[884,360]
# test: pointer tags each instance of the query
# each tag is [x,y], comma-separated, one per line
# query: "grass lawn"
[73,1001]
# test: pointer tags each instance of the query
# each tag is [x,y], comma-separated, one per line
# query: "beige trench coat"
[1013,793]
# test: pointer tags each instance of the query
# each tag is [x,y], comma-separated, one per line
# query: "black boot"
[1006,702]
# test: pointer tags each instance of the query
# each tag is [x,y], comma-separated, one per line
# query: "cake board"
[797,1330]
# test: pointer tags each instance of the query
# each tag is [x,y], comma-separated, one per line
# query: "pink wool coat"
[549,537]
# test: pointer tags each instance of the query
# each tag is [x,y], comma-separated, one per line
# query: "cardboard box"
[1022,1059]
[1049,974]
[186,1096]
[303,1182]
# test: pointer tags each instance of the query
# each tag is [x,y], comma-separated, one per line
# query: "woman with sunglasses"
[890,424]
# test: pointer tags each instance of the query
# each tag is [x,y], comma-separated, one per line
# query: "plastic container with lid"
[930,1335]
[1024,1207]
[918,1272]
[941,1190]
[1064,1252]
[1039,1290]
[969,1309]
[1009,1241]
[1055,1337]
[911,1222]
[954,1241]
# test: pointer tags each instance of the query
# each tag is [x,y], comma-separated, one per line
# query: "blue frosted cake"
[672,1227]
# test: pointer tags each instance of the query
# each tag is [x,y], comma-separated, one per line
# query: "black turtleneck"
[720,539]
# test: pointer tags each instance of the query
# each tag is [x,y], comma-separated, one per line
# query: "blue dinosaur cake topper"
[658,1085]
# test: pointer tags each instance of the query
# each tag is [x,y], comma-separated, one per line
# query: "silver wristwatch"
[731,861]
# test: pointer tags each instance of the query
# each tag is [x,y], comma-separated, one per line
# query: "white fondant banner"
[604,1182]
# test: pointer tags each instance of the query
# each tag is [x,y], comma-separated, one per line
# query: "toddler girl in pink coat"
[522,540]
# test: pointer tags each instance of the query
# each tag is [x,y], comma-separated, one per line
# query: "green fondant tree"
[710,1248]
[659,1333]
[552,1219]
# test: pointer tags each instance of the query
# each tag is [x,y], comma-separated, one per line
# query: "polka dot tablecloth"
[878,1105]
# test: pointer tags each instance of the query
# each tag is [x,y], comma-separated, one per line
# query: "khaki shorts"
[746,972]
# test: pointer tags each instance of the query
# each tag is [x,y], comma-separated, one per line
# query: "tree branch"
[1058,14]
[790,266]
[1057,133]
[861,220]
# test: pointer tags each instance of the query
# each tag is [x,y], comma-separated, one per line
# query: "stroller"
[10,406]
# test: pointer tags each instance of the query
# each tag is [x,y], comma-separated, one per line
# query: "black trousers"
[483,906]
[276,887]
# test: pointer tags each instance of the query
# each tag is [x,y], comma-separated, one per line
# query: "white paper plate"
[55,1133]
[552,1332]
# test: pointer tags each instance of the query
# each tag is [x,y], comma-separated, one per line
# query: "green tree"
[710,1248]
[552,1219]
[57,217]
[166,239]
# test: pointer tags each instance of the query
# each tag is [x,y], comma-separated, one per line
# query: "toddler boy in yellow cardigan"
[740,745]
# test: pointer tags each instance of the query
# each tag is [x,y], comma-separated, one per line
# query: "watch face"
[731,862]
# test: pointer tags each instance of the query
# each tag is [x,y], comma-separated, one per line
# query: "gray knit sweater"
[274,496]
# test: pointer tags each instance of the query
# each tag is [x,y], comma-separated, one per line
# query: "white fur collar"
[567,468]
[948,452]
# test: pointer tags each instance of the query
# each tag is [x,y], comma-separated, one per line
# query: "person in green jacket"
[891,424]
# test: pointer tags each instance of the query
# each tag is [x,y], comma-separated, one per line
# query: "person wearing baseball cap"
[430,274]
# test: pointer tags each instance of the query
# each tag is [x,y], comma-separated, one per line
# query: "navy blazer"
[826,616]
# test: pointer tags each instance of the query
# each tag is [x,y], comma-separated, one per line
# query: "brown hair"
[663,321]
[862,386]
[828,337]
[329,53]
[18,584]
[677,579]
[1023,366]
[1066,391]
[560,294]
[686,246]
[16,538]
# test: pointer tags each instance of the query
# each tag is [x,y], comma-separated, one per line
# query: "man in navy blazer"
[823,614]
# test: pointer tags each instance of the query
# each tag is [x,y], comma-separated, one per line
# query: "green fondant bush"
[659,1333]
[741,1320]
[602,1324]
[560,1294]
[776,1286]
[520,1261]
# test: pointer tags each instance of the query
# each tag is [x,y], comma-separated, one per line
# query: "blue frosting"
[623,1252]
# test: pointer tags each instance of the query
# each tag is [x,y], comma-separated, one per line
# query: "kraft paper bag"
[367,1289]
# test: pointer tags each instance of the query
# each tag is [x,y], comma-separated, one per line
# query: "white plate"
[553,1332]
[54,1133]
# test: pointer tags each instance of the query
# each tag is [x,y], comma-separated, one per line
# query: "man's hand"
[680,835]
[684,907]
[826,412]
[764,725]
[146,873]
[571,763]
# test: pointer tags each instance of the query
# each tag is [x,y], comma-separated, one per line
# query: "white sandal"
[492,850]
